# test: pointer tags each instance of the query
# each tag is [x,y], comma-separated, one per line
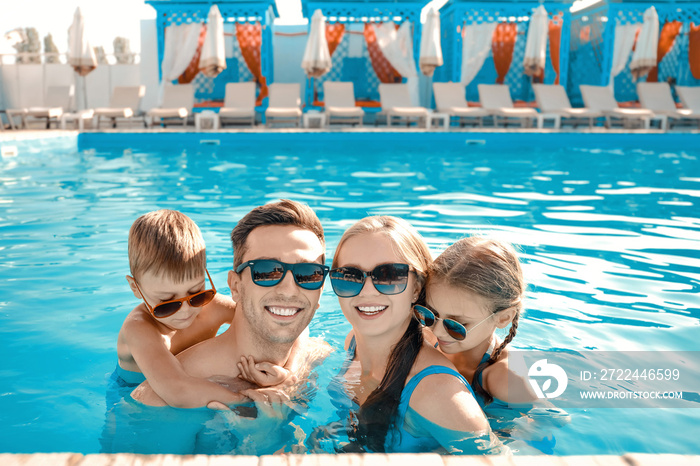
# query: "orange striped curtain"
[694,50]
[502,47]
[250,40]
[385,72]
[554,43]
[193,68]
[334,34]
[666,38]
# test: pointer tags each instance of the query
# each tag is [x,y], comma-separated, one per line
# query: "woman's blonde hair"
[167,243]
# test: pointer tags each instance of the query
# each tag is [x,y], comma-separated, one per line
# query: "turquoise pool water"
[608,226]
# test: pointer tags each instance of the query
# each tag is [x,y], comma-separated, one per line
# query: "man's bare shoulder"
[208,358]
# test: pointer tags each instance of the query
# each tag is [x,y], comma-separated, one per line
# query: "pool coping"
[375,459]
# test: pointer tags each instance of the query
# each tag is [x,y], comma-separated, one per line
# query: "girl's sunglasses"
[168,308]
[268,272]
[387,279]
[429,317]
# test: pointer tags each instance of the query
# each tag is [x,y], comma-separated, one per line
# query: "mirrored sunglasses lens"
[267,273]
[201,299]
[347,281]
[390,278]
[166,309]
[424,316]
[455,329]
[309,276]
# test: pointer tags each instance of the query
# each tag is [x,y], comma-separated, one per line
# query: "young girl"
[405,395]
[474,287]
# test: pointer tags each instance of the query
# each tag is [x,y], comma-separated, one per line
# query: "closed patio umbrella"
[81,55]
[213,58]
[644,55]
[430,49]
[317,57]
[536,45]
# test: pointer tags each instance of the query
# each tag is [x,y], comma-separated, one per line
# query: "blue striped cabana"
[173,12]
[357,67]
[593,40]
[456,14]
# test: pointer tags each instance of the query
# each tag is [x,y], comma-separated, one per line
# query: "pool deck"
[428,459]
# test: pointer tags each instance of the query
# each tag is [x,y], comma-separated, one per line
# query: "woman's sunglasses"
[387,279]
[268,272]
[429,317]
[168,308]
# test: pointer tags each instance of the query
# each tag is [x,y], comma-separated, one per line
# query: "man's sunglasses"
[269,272]
[387,279]
[429,317]
[168,308]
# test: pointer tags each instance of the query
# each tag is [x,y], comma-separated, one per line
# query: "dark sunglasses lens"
[309,276]
[267,273]
[390,278]
[424,316]
[201,299]
[347,281]
[166,309]
[455,329]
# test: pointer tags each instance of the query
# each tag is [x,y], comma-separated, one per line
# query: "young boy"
[180,308]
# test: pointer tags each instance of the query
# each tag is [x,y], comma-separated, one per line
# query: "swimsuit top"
[414,433]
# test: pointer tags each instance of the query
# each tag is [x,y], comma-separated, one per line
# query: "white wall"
[149,63]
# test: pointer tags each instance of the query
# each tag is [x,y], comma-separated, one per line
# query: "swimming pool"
[608,226]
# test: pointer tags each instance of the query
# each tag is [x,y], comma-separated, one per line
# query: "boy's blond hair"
[167,243]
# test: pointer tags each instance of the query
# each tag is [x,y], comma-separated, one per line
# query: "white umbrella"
[81,55]
[430,50]
[317,58]
[536,45]
[212,61]
[644,56]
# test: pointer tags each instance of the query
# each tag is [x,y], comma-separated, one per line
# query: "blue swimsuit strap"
[416,379]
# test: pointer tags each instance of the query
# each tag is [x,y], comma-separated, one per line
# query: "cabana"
[597,29]
[248,36]
[496,32]
[355,54]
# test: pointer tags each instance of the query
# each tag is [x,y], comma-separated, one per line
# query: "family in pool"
[424,363]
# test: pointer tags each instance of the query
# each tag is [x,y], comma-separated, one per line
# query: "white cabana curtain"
[624,42]
[644,56]
[476,46]
[317,58]
[397,47]
[430,56]
[181,43]
[212,61]
[536,45]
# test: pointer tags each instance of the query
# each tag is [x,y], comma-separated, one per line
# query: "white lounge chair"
[690,97]
[124,104]
[339,102]
[59,99]
[178,101]
[657,98]
[496,99]
[600,98]
[450,99]
[396,103]
[555,104]
[239,104]
[284,104]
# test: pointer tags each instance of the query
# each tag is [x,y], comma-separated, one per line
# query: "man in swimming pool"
[273,307]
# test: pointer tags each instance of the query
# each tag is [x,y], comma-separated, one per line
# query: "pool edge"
[377,459]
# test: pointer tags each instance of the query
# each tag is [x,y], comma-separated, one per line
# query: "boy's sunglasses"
[429,317]
[268,272]
[168,308]
[387,279]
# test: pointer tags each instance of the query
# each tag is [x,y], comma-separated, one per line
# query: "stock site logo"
[542,369]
